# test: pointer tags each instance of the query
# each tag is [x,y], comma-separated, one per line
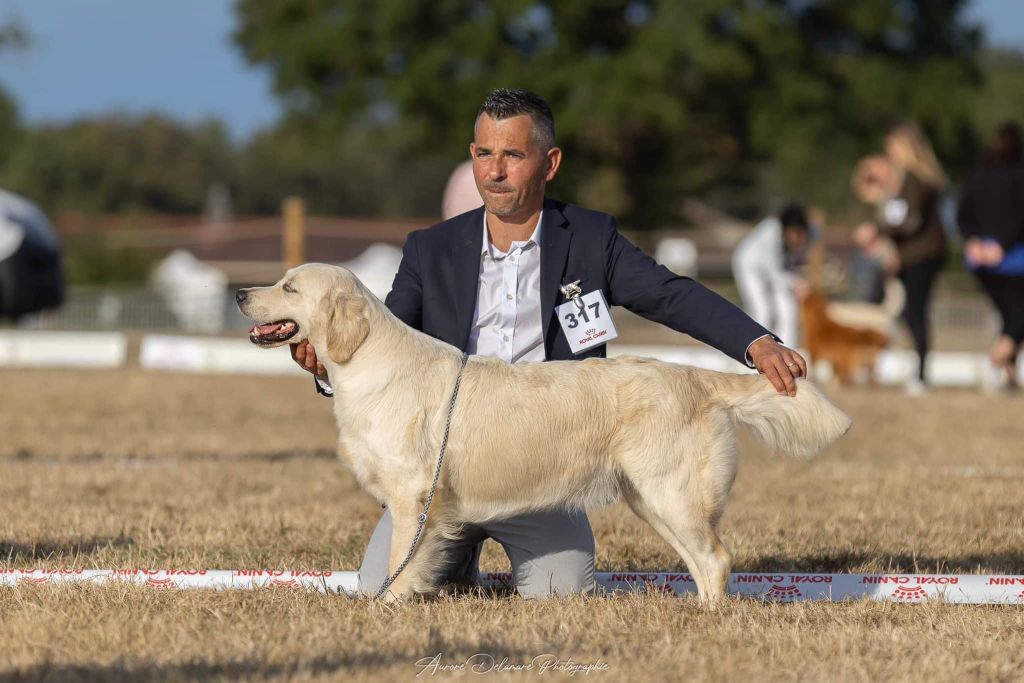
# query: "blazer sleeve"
[640,284]
[405,299]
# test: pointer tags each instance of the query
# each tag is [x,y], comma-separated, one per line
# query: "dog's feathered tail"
[800,425]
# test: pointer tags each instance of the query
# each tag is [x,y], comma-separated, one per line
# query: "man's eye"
[288,288]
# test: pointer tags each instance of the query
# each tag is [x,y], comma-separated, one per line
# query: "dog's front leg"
[404,523]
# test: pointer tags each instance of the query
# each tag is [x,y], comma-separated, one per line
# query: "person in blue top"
[991,220]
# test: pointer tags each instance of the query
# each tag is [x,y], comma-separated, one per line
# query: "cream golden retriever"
[529,436]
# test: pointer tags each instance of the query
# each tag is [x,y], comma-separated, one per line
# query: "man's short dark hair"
[794,216]
[505,103]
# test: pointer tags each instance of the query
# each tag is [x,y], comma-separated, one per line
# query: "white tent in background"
[376,267]
[194,291]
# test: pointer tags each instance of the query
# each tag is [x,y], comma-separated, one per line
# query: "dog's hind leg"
[685,505]
[683,526]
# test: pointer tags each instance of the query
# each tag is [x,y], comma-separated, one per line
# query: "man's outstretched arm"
[639,283]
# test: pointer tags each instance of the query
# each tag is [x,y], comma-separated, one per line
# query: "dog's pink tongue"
[265,329]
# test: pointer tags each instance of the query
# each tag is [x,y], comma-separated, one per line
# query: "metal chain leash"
[437,476]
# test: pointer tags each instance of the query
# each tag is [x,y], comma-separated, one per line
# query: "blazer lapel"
[554,251]
[465,256]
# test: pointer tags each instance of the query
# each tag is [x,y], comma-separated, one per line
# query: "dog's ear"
[347,324]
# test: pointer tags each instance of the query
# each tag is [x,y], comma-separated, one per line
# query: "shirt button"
[512,259]
[509,297]
[505,337]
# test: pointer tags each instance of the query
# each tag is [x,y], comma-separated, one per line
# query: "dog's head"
[315,302]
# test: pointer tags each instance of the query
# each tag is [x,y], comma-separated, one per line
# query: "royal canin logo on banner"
[907,580]
[1005,581]
[157,572]
[780,579]
[160,583]
[908,594]
[779,593]
[653,578]
[284,583]
[272,573]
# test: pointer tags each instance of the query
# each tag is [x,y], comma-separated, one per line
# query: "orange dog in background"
[847,348]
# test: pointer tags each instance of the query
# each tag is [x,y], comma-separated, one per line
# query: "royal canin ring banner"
[973,589]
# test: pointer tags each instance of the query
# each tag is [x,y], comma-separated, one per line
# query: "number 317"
[574,319]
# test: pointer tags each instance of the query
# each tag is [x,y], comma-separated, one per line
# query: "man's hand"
[305,356]
[779,364]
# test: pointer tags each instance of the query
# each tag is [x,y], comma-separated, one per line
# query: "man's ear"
[347,325]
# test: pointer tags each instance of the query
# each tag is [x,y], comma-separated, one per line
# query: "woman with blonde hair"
[907,204]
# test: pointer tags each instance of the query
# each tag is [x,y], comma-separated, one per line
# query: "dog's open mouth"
[273,333]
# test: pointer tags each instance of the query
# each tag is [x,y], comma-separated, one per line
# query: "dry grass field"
[131,468]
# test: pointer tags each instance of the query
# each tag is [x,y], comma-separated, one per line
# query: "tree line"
[739,102]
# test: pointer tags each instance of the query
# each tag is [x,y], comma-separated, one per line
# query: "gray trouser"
[552,553]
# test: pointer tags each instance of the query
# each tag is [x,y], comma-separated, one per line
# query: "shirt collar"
[487,247]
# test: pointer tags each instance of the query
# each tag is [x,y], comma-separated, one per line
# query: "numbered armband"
[586,320]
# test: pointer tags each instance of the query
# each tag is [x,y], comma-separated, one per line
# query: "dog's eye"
[288,288]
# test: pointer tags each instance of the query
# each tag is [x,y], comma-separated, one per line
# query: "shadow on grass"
[868,562]
[24,455]
[328,665]
[47,550]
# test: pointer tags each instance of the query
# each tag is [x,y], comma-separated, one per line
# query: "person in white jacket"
[764,268]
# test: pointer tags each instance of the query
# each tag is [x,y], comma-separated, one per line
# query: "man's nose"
[496,171]
[241,295]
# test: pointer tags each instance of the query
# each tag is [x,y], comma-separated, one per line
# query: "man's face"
[510,168]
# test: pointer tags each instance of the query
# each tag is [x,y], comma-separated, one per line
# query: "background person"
[991,219]
[764,267]
[906,197]
[487,282]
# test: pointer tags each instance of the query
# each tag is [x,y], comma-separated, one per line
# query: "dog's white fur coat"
[570,434]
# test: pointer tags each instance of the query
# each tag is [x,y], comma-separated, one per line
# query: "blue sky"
[176,56]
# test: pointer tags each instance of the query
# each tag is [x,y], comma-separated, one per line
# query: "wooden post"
[293,239]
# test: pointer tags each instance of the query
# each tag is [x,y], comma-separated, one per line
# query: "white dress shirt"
[507,323]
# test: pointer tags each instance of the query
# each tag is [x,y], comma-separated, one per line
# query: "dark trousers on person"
[1007,295]
[918,280]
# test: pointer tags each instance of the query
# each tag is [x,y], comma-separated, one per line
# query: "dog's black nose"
[241,295]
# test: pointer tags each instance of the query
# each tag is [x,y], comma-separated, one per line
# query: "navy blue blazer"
[436,285]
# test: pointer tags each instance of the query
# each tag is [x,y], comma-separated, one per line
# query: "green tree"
[118,163]
[1002,97]
[13,36]
[653,100]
